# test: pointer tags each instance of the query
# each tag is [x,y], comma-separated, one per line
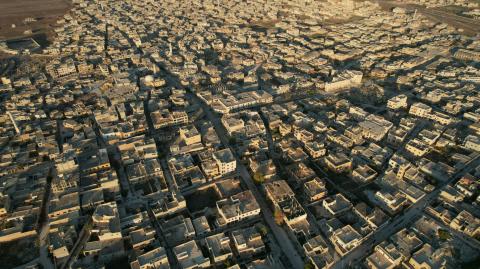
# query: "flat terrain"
[446,15]
[46,13]
[18,252]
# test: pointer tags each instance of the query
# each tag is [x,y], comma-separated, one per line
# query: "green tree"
[278,215]
[263,230]
[443,234]
[227,263]
[308,265]
[258,178]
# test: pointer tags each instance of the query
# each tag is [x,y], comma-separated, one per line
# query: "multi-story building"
[237,208]
[337,205]
[344,80]
[225,160]
[156,258]
[345,239]
[420,110]
[397,102]
[247,242]
[385,256]
[189,256]
[338,162]
[219,247]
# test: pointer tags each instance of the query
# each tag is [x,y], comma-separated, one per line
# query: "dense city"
[243,134]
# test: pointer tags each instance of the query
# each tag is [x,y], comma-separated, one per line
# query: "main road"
[402,221]
[281,236]
[438,14]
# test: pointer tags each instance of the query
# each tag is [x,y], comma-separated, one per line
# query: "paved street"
[281,236]
[83,237]
[410,215]
[134,109]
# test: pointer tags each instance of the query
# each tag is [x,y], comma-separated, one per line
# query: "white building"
[420,110]
[156,258]
[344,80]
[237,207]
[225,160]
[472,143]
[190,256]
[397,102]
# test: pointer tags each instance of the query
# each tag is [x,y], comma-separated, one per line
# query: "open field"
[442,14]
[45,12]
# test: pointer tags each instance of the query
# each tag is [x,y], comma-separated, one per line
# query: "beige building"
[237,208]
[393,203]
[364,173]
[219,247]
[385,256]
[225,160]
[344,80]
[338,162]
[314,189]
[189,256]
[397,102]
[420,110]
[345,239]
[247,242]
[190,135]
[315,149]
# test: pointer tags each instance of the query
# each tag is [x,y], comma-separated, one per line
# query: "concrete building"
[226,162]
[344,80]
[156,258]
[397,102]
[219,247]
[338,162]
[247,242]
[345,239]
[237,208]
[189,256]
[385,256]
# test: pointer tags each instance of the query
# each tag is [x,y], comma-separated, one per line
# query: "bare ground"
[46,12]
[442,14]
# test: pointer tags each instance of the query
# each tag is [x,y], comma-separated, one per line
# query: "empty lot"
[440,14]
[46,12]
